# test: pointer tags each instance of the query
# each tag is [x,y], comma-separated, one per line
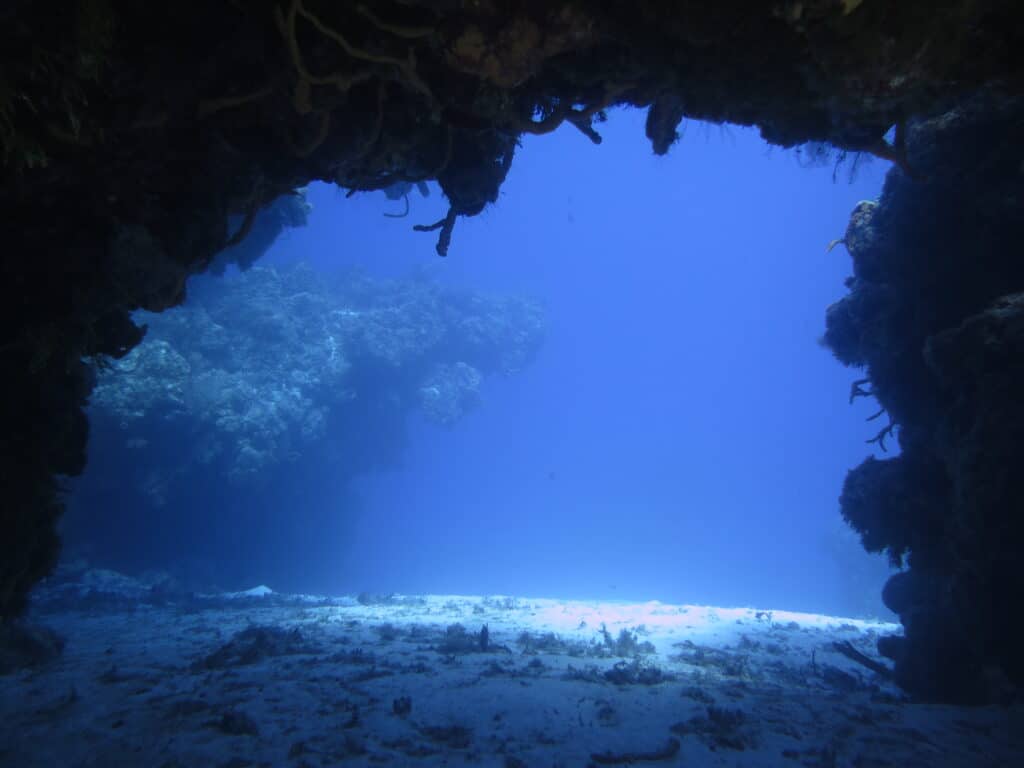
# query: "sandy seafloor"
[274,680]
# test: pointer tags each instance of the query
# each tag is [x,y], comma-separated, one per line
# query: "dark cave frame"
[133,134]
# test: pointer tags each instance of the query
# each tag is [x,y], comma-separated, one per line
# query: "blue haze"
[682,436]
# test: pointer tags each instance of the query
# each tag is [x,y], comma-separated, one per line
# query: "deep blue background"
[682,435]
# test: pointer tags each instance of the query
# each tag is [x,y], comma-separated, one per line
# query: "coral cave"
[143,144]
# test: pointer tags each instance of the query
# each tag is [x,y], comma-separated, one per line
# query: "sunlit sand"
[258,678]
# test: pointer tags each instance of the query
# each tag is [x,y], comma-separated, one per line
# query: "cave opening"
[672,429]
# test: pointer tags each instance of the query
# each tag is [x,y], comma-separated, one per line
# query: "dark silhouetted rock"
[936,317]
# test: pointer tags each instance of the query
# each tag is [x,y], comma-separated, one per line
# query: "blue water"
[682,436]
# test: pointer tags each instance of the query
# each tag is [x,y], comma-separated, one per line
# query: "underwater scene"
[578,494]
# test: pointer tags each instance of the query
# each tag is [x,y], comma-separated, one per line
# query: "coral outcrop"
[936,317]
[268,371]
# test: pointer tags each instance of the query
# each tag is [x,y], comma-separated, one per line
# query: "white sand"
[131,689]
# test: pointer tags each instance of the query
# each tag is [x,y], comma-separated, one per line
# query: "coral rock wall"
[935,314]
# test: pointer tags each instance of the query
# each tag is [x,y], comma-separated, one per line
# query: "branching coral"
[446,225]
[579,118]
[880,437]
[857,389]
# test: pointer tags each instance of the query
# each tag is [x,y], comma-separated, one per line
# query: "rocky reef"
[936,317]
[139,141]
[264,375]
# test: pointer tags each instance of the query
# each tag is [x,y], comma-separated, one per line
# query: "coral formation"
[267,371]
[934,315]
